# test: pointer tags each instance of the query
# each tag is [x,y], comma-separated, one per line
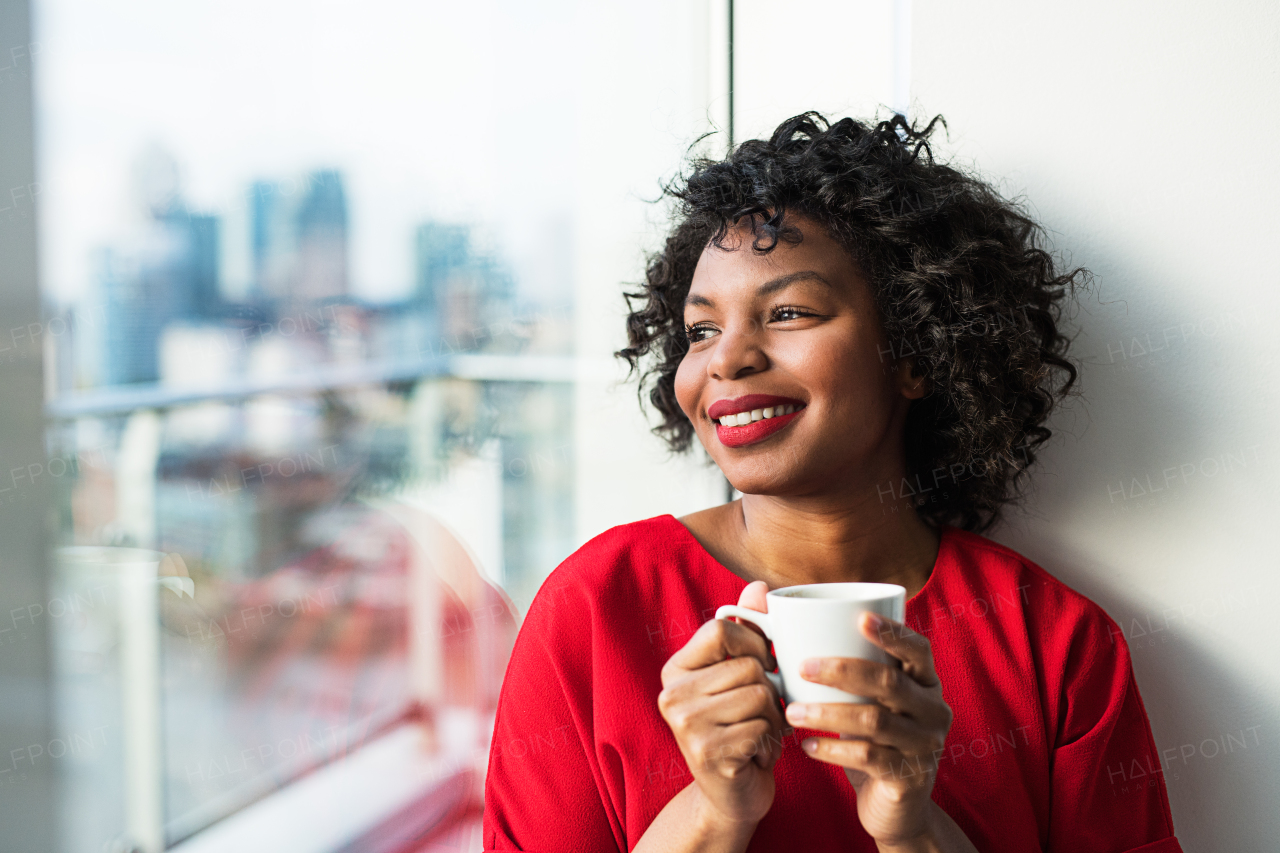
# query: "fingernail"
[809,667]
[797,713]
[876,621]
[809,744]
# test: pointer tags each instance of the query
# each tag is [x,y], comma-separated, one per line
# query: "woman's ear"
[912,384]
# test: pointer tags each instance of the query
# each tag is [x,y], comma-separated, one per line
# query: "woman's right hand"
[725,714]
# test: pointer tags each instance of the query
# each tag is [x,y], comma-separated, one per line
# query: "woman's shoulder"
[986,577]
[638,543]
[620,561]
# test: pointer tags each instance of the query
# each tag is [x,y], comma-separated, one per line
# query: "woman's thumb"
[753,597]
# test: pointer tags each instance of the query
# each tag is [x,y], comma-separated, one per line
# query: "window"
[311,275]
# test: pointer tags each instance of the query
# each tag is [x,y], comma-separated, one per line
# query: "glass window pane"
[312,275]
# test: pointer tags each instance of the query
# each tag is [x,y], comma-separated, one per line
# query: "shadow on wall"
[1213,728]
[1149,500]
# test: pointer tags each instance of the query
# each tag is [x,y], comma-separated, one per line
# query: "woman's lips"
[739,436]
[762,416]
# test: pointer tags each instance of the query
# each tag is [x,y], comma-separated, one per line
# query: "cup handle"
[776,681]
[761,621]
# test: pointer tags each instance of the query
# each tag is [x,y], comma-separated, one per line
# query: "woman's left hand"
[888,748]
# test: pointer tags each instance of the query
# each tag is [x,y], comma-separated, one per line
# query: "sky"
[431,110]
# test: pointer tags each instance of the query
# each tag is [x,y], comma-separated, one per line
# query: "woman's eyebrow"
[780,282]
[771,286]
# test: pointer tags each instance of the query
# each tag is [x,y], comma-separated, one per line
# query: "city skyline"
[170,279]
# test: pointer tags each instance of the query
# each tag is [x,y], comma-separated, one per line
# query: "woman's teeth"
[744,418]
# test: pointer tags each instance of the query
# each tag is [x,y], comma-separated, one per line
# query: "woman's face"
[793,334]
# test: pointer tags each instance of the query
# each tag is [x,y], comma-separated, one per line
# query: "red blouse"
[1050,748]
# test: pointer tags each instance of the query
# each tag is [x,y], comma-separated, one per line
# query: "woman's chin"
[764,486]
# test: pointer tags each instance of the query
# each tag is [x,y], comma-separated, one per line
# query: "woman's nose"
[738,353]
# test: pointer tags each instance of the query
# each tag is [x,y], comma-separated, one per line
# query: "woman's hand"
[726,716]
[888,748]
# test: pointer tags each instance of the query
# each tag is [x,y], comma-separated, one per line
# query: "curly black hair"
[960,275]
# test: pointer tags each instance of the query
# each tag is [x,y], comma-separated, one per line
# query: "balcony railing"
[459,622]
[479,367]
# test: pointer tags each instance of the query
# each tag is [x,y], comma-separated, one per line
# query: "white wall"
[834,57]
[1143,134]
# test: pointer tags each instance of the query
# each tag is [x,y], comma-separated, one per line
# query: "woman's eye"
[698,332]
[784,313]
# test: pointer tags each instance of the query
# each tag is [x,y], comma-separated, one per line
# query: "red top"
[1050,748]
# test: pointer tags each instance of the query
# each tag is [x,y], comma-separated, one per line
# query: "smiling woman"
[953,284]
[834,317]
[798,322]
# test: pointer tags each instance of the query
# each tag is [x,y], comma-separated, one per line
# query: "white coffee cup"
[820,620]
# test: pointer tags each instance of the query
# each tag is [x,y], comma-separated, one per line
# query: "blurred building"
[299,232]
[170,274]
[161,297]
[322,239]
[463,291]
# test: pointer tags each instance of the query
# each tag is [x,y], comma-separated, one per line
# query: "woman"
[865,341]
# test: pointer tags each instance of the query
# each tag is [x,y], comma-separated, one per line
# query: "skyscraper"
[442,251]
[322,238]
[461,290]
[170,274]
[300,238]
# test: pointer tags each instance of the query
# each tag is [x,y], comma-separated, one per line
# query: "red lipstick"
[754,431]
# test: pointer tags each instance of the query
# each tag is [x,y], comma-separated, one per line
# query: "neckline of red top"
[946,534]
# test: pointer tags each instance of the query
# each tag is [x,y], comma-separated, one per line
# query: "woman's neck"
[790,541]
